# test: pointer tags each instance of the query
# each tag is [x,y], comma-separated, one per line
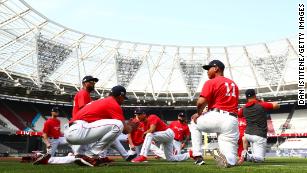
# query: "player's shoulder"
[153,116]
[174,122]
[48,121]
[81,93]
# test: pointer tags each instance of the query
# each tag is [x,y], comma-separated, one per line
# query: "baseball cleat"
[88,161]
[139,159]
[78,160]
[130,157]
[220,159]
[199,160]
[105,160]
[157,157]
[42,160]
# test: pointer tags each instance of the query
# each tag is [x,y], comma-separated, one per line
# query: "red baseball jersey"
[154,119]
[221,93]
[82,98]
[106,108]
[241,121]
[256,117]
[52,127]
[265,105]
[137,134]
[181,130]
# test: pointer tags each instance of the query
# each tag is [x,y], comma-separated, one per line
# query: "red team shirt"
[82,98]
[155,120]
[181,130]
[241,122]
[265,105]
[106,108]
[221,93]
[52,127]
[242,119]
[137,134]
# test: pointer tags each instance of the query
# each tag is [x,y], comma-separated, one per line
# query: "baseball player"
[52,136]
[99,123]
[221,95]
[242,127]
[136,139]
[256,129]
[158,131]
[83,96]
[181,131]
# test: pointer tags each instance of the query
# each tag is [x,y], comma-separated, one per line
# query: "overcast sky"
[180,22]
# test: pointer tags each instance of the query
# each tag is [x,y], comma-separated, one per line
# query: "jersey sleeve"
[206,91]
[240,113]
[266,105]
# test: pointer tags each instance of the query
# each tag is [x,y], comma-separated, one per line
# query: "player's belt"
[218,110]
[52,138]
[72,123]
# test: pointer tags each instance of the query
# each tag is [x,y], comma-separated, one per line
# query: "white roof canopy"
[28,40]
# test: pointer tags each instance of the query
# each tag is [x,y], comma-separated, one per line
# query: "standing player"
[52,136]
[221,95]
[83,96]
[181,131]
[99,123]
[158,131]
[256,130]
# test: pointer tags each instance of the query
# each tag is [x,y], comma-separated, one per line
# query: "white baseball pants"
[225,125]
[153,148]
[166,139]
[55,143]
[116,145]
[100,134]
[177,147]
[258,146]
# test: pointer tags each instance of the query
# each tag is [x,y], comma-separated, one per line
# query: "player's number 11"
[233,93]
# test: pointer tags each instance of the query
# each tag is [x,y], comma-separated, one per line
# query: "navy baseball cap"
[55,109]
[214,63]
[181,114]
[250,93]
[140,110]
[89,78]
[119,91]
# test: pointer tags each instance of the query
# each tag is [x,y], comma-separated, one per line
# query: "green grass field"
[279,165]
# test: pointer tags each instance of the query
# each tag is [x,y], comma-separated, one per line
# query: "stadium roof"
[41,50]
